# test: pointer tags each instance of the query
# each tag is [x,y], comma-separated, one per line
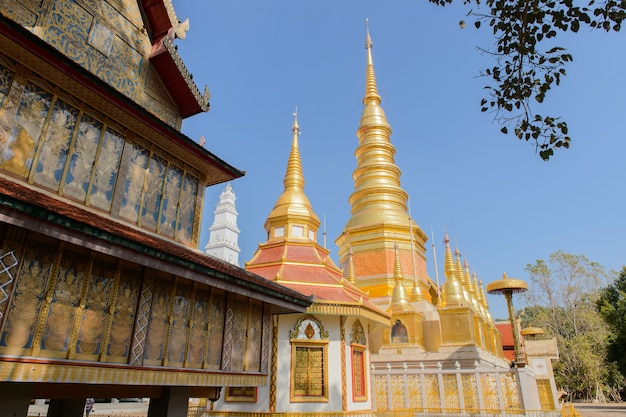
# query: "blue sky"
[494,196]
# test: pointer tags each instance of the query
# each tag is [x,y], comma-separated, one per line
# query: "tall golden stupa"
[389,254]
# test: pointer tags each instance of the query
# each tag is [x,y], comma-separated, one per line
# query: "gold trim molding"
[83,374]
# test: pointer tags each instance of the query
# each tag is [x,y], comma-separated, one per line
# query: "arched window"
[358,347]
[309,361]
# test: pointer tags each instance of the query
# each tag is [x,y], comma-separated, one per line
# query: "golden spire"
[452,288]
[460,276]
[479,297]
[483,301]
[471,288]
[399,299]
[293,206]
[377,196]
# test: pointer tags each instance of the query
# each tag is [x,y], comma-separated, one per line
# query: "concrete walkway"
[601,410]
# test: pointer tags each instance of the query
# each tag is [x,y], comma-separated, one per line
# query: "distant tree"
[561,299]
[612,308]
[527,64]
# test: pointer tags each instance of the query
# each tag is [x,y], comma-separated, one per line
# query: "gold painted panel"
[470,392]
[95,311]
[451,392]
[546,396]
[134,183]
[255,333]
[187,210]
[380,384]
[64,305]
[54,147]
[431,384]
[105,172]
[511,391]
[167,224]
[19,150]
[414,386]
[28,292]
[490,391]
[124,316]
[397,392]
[158,323]
[198,329]
[216,330]
[153,192]
[83,158]
[179,322]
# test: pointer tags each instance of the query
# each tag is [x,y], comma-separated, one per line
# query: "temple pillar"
[173,403]
[73,407]
[15,398]
[528,389]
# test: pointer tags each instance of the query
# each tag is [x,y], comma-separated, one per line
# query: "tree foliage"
[562,299]
[612,308]
[527,64]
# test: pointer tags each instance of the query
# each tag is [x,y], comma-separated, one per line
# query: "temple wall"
[66,305]
[55,142]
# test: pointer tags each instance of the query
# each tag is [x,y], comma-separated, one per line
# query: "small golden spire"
[471,288]
[452,288]
[399,299]
[460,275]
[293,206]
[448,262]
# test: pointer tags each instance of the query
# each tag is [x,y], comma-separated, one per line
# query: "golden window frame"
[323,345]
[308,333]
[354,347]
[240,394]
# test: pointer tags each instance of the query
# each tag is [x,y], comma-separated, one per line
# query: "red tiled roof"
[307,268]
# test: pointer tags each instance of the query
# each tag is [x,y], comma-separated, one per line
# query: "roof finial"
[293,205]
[371,90]
[295,129]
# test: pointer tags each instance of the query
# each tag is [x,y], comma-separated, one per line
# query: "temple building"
[426,347]
[319,359]
[103,290]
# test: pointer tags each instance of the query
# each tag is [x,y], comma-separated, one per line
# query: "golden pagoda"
[334,329]
[380,222]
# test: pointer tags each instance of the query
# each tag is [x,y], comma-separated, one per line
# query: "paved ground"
[601,410]
[141,409]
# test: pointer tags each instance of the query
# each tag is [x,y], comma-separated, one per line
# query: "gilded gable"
[107,38]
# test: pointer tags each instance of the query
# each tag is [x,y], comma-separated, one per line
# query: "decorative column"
[507,287]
